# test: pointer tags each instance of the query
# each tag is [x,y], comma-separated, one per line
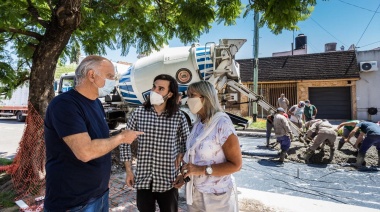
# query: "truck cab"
[66,82]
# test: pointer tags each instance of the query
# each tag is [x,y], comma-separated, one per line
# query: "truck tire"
[20,117]
[112,125]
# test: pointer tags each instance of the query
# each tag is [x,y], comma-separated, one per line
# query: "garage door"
[332,102]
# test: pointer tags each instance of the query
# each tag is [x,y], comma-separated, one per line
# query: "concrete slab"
[286,203]
[256,147]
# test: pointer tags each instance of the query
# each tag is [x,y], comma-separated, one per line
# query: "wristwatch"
[209,170]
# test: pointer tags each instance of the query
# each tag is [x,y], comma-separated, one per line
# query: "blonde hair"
[211,103]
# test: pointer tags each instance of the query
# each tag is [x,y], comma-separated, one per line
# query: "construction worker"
[372,138]
[325,133]
[310,111]
[297,114]
[310,133]
[283,102]
[348,126]
[269,126]
[282,131]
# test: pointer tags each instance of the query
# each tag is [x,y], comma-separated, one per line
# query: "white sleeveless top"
[209,152]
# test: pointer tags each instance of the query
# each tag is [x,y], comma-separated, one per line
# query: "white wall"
[368,87]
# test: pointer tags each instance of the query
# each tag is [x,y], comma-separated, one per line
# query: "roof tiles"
[327,65]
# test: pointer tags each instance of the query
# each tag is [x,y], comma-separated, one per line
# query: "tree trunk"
[30,157]
[65,19]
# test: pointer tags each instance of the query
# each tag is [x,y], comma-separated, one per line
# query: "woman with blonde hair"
[213,153]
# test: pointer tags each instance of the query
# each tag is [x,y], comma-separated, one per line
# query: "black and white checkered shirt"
[158,147]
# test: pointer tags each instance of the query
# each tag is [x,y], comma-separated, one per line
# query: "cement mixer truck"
[214,62]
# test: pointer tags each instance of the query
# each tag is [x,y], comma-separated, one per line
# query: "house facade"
[328,80]
[368,87]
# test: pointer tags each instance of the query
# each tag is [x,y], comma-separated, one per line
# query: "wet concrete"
[334,182]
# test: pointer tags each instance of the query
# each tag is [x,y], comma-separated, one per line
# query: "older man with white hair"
[78,145]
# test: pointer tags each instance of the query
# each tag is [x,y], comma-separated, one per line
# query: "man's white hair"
[89,63]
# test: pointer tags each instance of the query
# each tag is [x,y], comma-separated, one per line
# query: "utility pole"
[255,62]
[292,42]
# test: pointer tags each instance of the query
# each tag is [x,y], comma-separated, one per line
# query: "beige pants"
[321,137]
[226,202]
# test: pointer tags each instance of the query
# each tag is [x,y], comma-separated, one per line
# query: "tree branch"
[50,5]
[23,32]
[35,15]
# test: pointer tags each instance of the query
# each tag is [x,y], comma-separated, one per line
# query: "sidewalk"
[124,199]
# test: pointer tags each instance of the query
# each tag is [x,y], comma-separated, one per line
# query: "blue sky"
[345,22]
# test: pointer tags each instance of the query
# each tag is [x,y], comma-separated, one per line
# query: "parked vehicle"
[212,62]
[17,104]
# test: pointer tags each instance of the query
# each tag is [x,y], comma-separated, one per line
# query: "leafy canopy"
[121,24]
[281,14]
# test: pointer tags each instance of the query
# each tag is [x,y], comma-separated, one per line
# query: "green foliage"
[10,77]
[259,124]
[64,69]
[4,162]
[26,26]
[279,14]
[6,197]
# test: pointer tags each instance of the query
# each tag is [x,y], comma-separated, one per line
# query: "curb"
[251,130]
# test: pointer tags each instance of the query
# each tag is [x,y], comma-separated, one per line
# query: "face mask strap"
[166,96]
[105,79]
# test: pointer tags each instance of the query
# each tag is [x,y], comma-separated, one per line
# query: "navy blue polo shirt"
[369,128]
[69,181]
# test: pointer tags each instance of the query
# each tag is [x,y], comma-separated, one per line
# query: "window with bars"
[272,91]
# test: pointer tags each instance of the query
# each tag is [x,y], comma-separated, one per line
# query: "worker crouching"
[325,134]
[310,133]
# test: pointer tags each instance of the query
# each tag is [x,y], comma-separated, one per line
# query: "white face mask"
[156,99]
[195,104]
[108,87]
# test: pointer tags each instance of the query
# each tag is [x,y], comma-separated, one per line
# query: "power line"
[326,30]
[368,24]
[370,44]
[358,6]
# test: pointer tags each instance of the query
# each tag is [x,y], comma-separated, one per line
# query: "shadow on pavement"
[269,162]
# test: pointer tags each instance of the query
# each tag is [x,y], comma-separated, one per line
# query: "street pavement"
[10,134]
[329,183]
[289,187]
[281,187]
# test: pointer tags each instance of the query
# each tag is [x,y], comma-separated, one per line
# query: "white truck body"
[17,104]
